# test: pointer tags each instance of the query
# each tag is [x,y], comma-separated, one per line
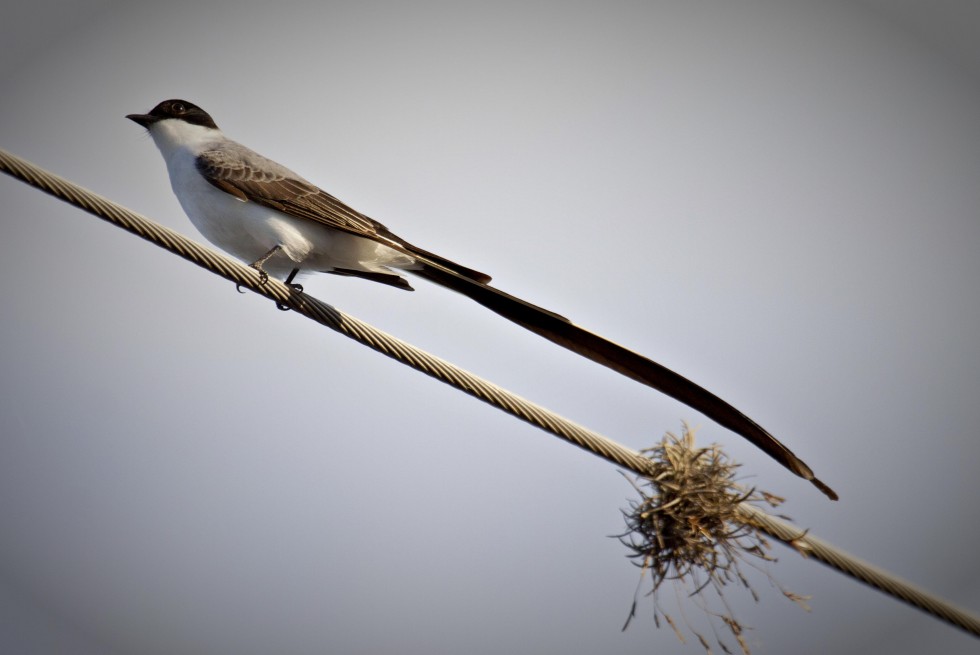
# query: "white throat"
[175,137]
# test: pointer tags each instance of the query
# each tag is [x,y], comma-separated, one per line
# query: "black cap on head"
[177,109]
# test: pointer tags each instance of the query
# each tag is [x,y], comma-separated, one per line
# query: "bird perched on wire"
[268,216]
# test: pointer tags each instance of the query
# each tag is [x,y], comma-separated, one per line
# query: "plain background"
[776,199]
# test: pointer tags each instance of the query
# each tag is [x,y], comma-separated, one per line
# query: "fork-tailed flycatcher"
[262,212]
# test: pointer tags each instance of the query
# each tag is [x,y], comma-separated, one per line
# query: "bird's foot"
[289,281]
[263,276]
[295,287]
[257,264]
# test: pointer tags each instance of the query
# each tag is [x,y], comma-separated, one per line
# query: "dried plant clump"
[686,527]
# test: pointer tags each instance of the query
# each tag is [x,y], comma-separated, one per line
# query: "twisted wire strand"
[456,377]
[811,546]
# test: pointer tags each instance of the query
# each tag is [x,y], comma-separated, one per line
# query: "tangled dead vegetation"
[686,528]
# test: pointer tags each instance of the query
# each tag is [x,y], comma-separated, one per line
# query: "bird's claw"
[298,288]
[263,278]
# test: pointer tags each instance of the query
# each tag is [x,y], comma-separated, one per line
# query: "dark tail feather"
[560,330]
[384,278]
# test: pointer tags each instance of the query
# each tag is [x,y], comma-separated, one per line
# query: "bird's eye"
[178,108]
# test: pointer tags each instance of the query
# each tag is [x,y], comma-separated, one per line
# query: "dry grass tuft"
[686,528]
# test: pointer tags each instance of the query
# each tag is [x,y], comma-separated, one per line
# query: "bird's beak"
[146,120]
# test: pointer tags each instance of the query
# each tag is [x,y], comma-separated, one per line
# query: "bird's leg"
[257,265]
[295,287]
[289,281]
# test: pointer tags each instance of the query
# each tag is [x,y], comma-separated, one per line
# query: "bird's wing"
[248,176]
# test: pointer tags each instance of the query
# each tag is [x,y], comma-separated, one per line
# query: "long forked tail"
[560,330]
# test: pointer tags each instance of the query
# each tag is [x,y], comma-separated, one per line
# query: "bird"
[280,224]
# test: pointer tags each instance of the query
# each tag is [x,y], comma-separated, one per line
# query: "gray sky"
[777,200]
